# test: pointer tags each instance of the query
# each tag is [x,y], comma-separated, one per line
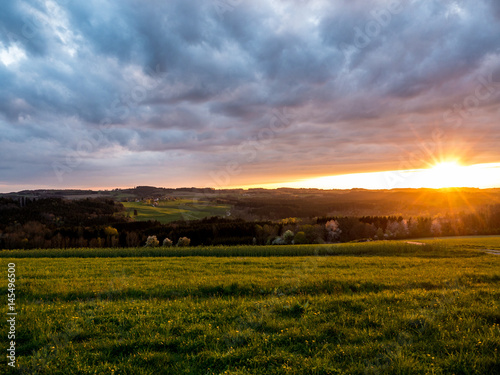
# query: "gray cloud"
[94,86]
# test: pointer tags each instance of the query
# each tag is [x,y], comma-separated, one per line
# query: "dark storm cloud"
[90,86]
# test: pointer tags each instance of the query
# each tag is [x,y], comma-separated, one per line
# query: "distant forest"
[258,217]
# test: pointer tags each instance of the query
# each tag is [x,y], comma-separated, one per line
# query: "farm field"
[180,209]
[465,242]
[368,308]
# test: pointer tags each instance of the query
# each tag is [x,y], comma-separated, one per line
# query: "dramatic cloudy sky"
[231,92]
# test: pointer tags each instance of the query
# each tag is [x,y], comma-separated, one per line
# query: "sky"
[227,93]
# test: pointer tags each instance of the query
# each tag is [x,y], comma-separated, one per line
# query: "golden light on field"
[444,174]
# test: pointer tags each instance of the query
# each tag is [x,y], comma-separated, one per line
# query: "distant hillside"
[127,217]
[263,204]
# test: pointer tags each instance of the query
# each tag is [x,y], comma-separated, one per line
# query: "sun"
[445,175]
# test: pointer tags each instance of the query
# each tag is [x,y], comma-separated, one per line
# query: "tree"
[332,231]
[404,229]
[392,229]
[152,241]
[132,239]
[380,234]
[314,233]
[269,232]
[300,238]
[290,220]
[111,236]
[183,241]
[398,229]
[413,227]
[110,231]
[278,241]
[288,237]
[436,227]
[167,242]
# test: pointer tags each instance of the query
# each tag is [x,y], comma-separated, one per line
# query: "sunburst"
[444,175]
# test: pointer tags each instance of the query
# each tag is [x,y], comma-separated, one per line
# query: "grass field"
[466,243]
[181,209]
[370,308]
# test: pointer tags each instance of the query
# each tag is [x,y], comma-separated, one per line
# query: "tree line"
[98,222]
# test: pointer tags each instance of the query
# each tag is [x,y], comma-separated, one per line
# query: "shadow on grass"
[328,287]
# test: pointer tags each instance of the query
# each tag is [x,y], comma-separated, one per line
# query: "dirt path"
[490,251]
[415,243]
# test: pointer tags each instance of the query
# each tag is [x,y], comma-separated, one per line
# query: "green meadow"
[180,209]
[368,308]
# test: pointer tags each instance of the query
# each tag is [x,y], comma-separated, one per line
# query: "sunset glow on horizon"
[448,174]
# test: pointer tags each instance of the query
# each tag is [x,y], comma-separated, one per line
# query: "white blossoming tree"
[152,241]
[333,231]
